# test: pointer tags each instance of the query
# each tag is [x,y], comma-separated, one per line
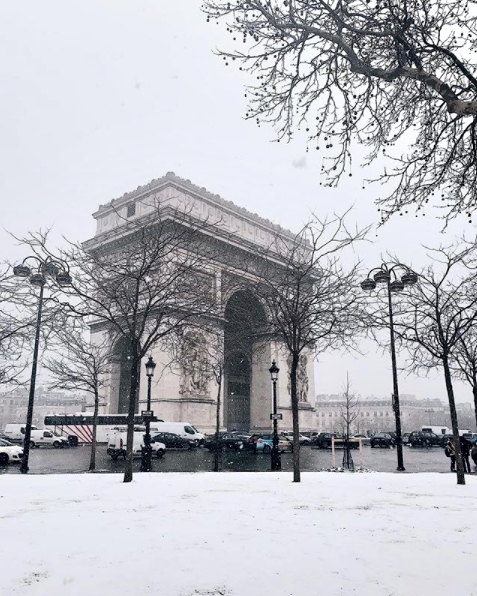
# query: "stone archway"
[244,320]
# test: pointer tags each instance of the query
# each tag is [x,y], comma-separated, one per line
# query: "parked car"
[445,439]
[117,445]
[264,444]
[322,440]
[173,441]
[183,429]
[302,438]
[40,438]
[243,436]
[421,439]
[10,453]
[225,441]
[365,440]
[73,440]
[382,440]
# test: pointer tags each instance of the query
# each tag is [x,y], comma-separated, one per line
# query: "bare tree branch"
[379,74]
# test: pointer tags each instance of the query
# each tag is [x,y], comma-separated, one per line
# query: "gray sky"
[101,96]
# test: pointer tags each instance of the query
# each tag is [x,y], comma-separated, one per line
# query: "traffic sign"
[278,416]
[147,413]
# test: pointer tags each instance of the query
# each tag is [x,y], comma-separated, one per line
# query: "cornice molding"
[171,179]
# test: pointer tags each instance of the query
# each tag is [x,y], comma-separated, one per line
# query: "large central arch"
[244,320]
[121,376]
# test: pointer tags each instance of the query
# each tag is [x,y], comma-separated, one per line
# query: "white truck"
[117,445]
[15,431]
[443,430]
[183,429]
[39,438]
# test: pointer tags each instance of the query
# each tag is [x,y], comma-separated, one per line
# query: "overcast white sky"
[101,96]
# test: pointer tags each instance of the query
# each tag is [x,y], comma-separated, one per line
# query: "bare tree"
[441,312]
[466,363]
[142,285]
[313,302]
[349,412]
[17,321]
[386,75]
[80,366]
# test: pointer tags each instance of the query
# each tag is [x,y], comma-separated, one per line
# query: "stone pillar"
[260,391]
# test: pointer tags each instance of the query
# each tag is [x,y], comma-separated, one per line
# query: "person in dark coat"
[450,452]
[473,454]
[465,450]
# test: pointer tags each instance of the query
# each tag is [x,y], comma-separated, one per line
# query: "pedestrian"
[465,450]
[450,452]
[473,454]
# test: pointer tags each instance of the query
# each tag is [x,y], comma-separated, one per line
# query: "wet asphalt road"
[47,460]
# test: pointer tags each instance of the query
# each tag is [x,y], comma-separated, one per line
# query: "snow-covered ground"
[242,534]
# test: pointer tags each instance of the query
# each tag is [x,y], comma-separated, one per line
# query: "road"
[76,460]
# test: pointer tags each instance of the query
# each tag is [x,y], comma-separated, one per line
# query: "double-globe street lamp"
[276,460]
[42,269]
[389,275]
[146,456]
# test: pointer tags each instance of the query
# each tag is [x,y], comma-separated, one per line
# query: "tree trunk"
[128,470]
[474,393]
[92,461]
[455,426]
[348,463]
[295,420]
[217,453]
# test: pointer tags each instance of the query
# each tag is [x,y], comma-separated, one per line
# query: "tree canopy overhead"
[397,76]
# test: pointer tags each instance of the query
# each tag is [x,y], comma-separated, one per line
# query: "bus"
[81,425]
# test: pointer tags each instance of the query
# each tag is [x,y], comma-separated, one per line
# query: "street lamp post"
[146,459]
[429,411]
[388,275]
[276,460]
[42,270]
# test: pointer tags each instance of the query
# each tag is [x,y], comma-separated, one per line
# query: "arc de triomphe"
[247,392]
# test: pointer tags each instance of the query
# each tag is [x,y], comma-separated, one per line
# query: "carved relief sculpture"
[301,378]
[194,365]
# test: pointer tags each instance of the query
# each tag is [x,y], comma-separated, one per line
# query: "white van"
[182,429]
[16,432]
[117,445]
[46,437]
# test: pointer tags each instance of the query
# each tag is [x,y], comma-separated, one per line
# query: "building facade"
[376,414]
[180,390]
[14,404]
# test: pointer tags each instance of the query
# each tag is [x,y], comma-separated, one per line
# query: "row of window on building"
[362,414]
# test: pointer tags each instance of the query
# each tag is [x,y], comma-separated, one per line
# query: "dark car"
[226,441]
[420,439]
[382,440]
[173,441]
[322,440]
[445,439]
[73,441]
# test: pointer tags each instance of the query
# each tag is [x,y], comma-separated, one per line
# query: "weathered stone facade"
[180,392]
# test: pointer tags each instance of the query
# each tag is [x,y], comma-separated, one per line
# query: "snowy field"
[242,534]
